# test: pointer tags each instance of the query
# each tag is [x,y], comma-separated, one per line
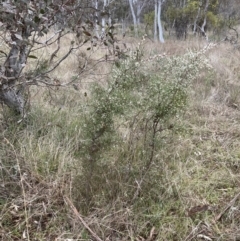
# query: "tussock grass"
[185,195]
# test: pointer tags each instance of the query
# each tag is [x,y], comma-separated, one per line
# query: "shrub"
[126,123]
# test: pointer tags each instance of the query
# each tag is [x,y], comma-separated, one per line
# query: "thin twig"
[193,233]
[46,43]
[60,61]
[81,219]
[230,204]
[54,54]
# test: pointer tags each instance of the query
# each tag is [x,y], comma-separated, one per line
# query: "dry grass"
[197,172]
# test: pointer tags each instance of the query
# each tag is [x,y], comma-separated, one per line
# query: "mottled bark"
[12,98]
[11,90]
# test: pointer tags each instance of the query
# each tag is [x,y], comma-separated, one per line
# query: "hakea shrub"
[129,115]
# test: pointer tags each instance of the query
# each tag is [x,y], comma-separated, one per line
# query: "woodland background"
[119,120]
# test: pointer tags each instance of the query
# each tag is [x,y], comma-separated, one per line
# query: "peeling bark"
[11,91]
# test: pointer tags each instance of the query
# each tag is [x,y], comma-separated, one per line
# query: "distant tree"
[136,7]
[158,30]
[229,19]
[23,24]
[197,14]
[177,17]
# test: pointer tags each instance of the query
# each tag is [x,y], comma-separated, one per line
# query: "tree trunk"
[160,29]
[96,19]
[195,22]
[12,98]
[138,14]
[139,10]
[11,91]
[205,21]
[123,27]
[155,21]
[134,18]
[104,16]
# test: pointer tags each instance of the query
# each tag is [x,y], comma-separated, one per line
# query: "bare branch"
[230,204]
[58,48]
[46,43]
[60,61]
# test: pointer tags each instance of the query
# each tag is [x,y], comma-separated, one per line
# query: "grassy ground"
[190,192]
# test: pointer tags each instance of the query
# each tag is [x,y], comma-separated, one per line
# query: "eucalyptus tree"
[158,30]
[229,12]
[202,28]
[23,24]
[198,15]
[105,5]
[136,7]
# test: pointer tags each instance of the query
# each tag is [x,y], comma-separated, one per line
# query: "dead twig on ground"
[81,219]
[230,204]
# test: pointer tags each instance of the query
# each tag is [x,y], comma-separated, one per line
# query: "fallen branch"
[230,204]
[193,233]
[81,219]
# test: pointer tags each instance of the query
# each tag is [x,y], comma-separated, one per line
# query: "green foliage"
[144,98]
[189,12]
[25,23]
[212,19]
[149,18]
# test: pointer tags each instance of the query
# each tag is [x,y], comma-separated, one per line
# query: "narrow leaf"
[36,19]
[85,41]
[32,56]
[18,36]
[87,33]
[3,53]
[111,35]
